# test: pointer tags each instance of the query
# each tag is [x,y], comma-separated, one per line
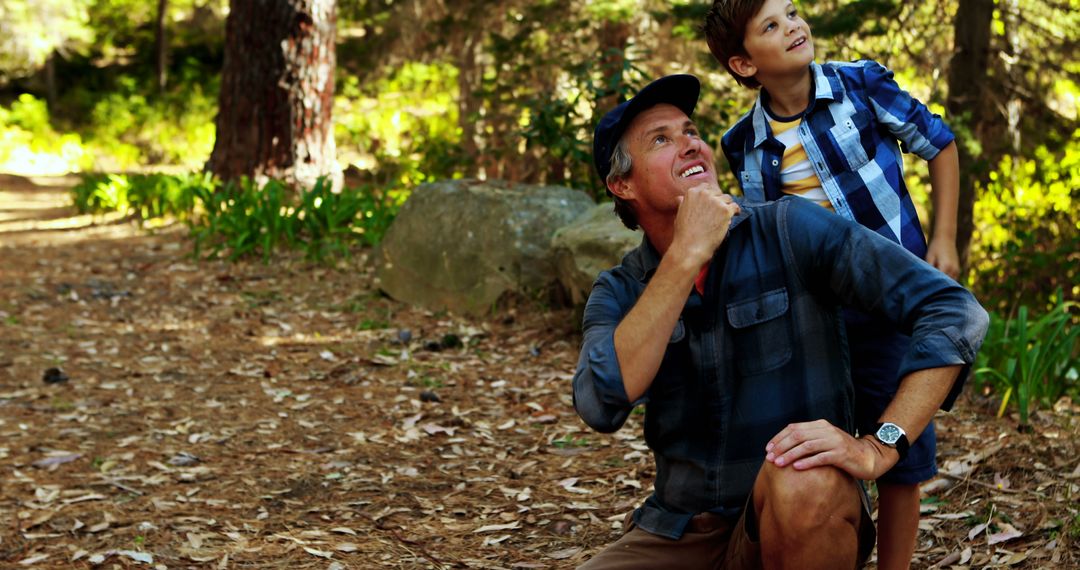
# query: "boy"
[829,133]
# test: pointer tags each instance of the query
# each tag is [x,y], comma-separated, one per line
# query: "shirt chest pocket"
[846,133]
[761,332]
[753,185]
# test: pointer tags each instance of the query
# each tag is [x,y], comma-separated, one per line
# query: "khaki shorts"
[710,542]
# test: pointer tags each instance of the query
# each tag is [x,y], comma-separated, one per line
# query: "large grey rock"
[461,244]
[595,241]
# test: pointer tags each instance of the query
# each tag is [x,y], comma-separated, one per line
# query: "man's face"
[778,40]
[669,158]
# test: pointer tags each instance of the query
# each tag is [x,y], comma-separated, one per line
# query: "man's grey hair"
[621,162]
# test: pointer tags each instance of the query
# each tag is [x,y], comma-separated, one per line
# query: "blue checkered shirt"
[762,348]
[850,132]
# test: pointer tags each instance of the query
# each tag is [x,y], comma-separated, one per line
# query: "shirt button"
[775,162]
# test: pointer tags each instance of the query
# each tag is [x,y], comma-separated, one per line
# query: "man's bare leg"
[898,525]
[807,519]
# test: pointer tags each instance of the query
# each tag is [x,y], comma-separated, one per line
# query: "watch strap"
[902,445]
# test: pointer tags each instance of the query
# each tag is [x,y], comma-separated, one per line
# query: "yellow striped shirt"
[797,176]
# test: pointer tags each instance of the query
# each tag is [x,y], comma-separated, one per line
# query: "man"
[726,322]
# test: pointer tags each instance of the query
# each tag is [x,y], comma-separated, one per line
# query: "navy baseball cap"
[678,90]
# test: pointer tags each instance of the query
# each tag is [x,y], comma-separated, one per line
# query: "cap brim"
[679,90]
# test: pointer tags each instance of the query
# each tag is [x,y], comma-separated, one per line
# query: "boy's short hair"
[725,31]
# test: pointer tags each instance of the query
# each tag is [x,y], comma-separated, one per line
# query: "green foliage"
[131,127]
[147,196]
[1027,234]
[32,29]
[243,219]
[400,130]
[1032,361]
[30,145]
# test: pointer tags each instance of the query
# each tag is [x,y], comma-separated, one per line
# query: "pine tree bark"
[966,101]
[277,91]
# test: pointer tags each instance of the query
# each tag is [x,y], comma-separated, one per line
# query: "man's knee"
[814,496]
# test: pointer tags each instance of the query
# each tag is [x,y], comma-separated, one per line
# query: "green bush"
[29,145]
[1027,234]
[1031,361]
[242,219]
[130,127]
[147,196]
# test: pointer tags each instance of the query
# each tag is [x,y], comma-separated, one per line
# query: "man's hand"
[942,254]
[702,222]
[814,444]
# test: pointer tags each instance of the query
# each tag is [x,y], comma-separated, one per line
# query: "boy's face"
[669,158]
[777,41]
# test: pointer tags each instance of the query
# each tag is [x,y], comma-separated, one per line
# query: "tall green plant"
[1032,360]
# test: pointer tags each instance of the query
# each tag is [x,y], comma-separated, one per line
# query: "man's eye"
[691,133]
[660,139]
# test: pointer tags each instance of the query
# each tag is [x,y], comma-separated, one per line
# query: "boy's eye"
[770,26]
[792,14]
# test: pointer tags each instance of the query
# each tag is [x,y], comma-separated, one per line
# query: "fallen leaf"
[33,559]
[565,553]
[495,539]
[56,460]
[1008,532]
[976,530]
[495,527]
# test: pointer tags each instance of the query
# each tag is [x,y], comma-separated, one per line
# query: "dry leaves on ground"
[288,416]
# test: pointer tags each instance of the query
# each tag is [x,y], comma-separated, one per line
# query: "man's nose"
[691,145]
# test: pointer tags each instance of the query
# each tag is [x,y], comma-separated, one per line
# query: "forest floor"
[286,415]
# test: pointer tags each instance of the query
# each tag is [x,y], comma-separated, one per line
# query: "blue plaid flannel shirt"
[850,132]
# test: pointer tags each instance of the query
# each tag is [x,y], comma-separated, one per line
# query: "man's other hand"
[813,444]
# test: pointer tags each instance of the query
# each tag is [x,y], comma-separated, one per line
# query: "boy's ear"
[742,65]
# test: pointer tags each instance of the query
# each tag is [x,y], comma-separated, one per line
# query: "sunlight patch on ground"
[26,162]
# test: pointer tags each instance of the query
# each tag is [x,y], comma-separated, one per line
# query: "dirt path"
[288,416]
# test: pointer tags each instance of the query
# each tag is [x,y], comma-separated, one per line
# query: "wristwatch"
[892,435]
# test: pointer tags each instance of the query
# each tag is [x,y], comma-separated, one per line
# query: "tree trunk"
[162,45]
[967,84]
[277,93]
[468,104]
[51,91]
[612,41]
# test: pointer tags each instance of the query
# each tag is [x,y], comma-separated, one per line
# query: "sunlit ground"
[35,209]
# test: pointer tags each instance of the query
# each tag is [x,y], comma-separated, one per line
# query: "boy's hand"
[942,254]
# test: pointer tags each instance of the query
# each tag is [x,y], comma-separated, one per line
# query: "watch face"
[889,434]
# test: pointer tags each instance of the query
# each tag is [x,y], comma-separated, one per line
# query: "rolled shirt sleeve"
[599,393]
[909,120]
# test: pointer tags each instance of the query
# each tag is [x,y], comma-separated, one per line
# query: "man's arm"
[945,193]
[865,270]
[814,444]
[641,339]
[623,347]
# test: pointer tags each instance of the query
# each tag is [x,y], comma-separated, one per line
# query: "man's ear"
[742,65]
[620,187]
